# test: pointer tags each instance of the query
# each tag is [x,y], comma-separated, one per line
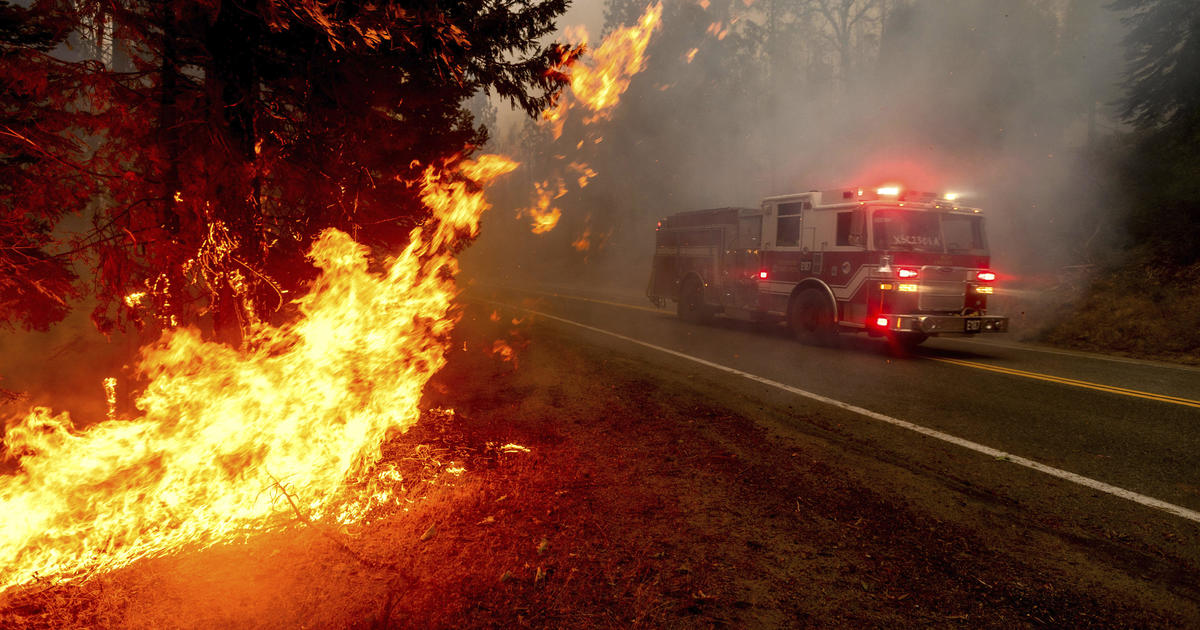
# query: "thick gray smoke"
[1002,101]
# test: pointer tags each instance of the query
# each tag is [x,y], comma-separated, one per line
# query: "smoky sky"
[1005,102]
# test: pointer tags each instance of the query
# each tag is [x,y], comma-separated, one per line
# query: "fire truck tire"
[811,317]
[691,303]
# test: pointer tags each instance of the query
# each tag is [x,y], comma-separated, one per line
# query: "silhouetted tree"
[42,174]
[240,130]
[1162,100]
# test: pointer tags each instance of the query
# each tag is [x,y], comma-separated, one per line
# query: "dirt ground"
[576,487]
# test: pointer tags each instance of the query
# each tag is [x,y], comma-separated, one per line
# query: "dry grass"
[1146,309]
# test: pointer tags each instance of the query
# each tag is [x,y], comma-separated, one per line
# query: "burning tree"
[223,147]
[223,137]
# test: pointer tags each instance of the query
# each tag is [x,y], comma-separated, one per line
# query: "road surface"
[1105,434]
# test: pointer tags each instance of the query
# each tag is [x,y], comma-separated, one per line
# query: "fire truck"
[890,262]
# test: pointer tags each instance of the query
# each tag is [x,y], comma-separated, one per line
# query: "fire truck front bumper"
[949,324]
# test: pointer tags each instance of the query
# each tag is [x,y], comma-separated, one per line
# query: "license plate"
[974,325]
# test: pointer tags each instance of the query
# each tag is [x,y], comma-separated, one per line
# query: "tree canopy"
[224,135]
[1161,173]
[37,186]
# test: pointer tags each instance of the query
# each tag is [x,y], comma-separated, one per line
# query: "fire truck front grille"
[942,289]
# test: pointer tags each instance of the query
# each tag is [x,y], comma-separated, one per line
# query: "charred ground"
[656,496]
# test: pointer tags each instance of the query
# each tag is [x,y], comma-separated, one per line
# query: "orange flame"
[224,432]
[599,81]
[583,243]
[544,216]
[501,348]
[586,174]
[718,30]
[557,117]
[110,397]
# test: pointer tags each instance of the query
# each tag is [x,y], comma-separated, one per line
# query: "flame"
[110,397]
[501,348]
[597,82]
[544,216]
[557,117]
[600,81]
[586,174]
[223,433]
[583,243]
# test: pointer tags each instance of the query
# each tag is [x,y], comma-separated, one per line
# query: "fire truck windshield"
[930,232]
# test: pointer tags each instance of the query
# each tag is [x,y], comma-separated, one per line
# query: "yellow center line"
[1175,400]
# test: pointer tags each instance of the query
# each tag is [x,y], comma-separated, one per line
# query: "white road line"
[1087,482]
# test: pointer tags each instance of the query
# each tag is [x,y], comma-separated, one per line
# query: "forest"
[172,161]
[1071,123]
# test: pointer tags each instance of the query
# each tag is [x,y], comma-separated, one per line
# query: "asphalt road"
[1132,425]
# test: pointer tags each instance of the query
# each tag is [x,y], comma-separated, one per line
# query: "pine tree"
[1163,76]
[1162,100]
[240,130]
[42,172]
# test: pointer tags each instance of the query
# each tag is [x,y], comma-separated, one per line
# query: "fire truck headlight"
[908,288]
[987,290]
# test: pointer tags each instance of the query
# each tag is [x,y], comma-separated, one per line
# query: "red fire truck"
[887,261]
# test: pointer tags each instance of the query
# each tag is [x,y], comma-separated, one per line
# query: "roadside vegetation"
[1146,303]
[1143,309]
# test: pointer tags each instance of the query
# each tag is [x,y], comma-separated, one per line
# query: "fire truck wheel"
[811,317]
[691,303]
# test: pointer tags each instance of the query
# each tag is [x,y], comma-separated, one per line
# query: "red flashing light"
[986,276]
[762,275]
[905,272]
[882,322]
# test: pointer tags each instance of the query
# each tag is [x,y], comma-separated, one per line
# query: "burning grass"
[227,439]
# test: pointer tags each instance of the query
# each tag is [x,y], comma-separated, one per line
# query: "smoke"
[1005,102]
[64,368]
